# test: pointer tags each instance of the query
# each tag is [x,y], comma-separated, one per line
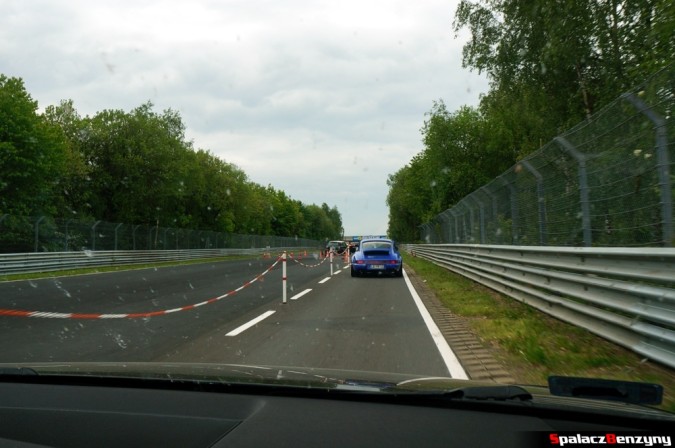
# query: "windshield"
[176,176]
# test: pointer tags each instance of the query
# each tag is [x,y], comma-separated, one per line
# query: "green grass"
[533,345]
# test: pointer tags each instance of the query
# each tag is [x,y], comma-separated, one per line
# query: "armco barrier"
[58,261]
[625,295]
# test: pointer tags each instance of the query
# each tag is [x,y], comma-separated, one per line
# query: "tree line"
[135,167]
[550,64]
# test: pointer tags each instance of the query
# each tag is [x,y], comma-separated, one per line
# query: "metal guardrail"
[59,261]
[625,295]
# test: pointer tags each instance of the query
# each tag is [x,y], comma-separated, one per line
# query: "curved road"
[340,322]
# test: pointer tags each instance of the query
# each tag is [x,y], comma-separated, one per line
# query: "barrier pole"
[283,276]
[331,263]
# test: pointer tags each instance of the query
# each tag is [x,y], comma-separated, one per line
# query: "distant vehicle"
[377,256]
[337,247]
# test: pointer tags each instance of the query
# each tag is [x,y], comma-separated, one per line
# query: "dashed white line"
[251,323]
[324,280]
[297,296]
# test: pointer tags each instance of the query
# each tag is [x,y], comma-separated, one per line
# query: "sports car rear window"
[375,245]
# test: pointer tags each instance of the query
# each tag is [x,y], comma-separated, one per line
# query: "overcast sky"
[320,99]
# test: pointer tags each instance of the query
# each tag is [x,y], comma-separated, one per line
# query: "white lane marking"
[452,363]
[324,280]
[297,296]
[337,272]
[248,325]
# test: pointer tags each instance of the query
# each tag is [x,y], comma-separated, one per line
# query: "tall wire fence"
[20,234]
[606,182]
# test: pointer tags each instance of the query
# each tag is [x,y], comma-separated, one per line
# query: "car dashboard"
[113,412]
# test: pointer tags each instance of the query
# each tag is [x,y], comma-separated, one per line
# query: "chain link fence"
[606,182]
[21,234]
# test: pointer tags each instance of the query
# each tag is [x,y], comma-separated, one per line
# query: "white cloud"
[320,99]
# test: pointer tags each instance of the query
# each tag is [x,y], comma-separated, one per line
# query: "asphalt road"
[336,322]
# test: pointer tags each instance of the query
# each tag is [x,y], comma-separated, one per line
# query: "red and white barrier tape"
[307,265]
[53,315]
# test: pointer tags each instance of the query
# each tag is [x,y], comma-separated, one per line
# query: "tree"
[134,167]
[75,194]
[580,55]
[460,154]
[32,154]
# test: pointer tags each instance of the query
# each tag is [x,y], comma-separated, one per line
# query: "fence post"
[663,164]
[330,256]
[513,199]
[133,235]
[425,233]
[65,242]
[117,227]
[449,225]
[456,238]
[540,200]
[93,235]
[583,187]
[37,231]
[442,223]
[283,274]
[466,235]
[481,218]
[493,199]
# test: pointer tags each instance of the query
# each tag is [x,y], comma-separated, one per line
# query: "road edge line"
[449,358]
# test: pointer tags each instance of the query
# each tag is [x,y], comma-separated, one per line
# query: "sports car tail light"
[360,261]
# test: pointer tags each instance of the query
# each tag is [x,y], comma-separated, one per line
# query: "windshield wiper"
[495,393]
[600,389]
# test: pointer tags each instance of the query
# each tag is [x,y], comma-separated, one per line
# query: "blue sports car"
[377,256]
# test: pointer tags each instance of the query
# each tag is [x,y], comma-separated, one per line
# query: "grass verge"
[533,345]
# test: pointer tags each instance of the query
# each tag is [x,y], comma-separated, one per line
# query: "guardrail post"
[583,188]
[663,165]
[540,200]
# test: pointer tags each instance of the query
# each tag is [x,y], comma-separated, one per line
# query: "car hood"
[333,380]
